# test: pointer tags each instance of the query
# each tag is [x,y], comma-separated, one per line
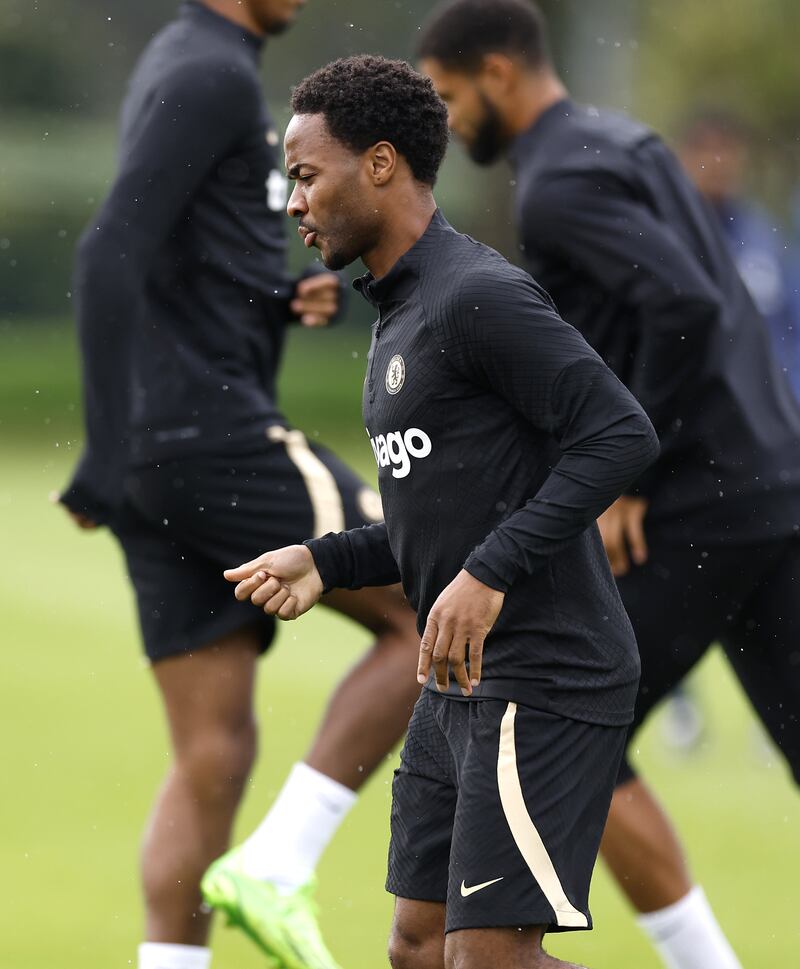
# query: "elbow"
[650,445]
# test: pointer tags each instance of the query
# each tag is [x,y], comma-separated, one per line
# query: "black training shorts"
[186,520]
[498,810]
[744,597]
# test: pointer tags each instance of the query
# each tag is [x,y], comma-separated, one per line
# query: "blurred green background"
[84,743]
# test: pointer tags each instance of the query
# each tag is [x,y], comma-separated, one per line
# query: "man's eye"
[304,178]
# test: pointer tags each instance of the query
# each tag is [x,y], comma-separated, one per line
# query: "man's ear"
[382,162]
[498,73]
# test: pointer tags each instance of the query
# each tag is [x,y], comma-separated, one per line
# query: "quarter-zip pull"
[370,381]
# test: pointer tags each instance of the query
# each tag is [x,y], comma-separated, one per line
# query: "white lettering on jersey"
[398,447]
[276,191]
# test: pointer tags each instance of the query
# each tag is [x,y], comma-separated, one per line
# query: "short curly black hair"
[366,99]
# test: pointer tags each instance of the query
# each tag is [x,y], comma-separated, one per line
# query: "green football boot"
[284,927]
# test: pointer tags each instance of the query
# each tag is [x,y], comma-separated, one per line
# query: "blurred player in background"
[499,436]
[705,546]
[183,300]
[715,149]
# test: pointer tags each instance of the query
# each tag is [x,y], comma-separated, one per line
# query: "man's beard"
[349,237]
[489,142]
[277,27]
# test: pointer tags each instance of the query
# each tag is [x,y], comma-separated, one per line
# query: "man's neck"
[237,12]
[409,220]
[536,94]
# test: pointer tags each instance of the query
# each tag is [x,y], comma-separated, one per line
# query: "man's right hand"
[284,583]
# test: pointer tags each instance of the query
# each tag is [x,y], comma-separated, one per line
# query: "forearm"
[609,445]
[108,296]
[355,558]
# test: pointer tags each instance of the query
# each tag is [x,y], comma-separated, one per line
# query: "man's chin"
[277,27]
[334,260]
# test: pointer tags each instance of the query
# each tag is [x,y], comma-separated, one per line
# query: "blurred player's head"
[479,54]
[263,16]
[714,148]
[367,137]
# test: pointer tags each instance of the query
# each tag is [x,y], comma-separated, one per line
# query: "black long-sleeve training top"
[500,436]
[181,284]
[633,257]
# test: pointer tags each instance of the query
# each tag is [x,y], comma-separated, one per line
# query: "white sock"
[687,936]
[287,845]
[165,955]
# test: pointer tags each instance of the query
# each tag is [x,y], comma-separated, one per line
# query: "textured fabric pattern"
[451,832]
[505,439]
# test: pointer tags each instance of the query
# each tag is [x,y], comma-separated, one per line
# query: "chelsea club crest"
[395,374]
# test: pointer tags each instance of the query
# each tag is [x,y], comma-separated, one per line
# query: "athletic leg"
[764,650]
[208,700]
[369,710]
[226,509]
[510,948]
[417,936]
[642,850]
[679,602]
[292,491]
[366,716]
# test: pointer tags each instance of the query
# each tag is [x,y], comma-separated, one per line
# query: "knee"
[217,762]
[410,949]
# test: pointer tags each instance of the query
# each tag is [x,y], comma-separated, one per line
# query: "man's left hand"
[457,626]
[316,299]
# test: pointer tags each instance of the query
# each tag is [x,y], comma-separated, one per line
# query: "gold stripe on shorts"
[326,502]
[524,831]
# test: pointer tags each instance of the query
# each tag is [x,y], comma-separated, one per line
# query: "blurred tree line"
[64,63]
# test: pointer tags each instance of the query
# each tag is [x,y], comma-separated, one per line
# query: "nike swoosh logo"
[465,892]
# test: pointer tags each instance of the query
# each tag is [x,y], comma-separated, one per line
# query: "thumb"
[247,569]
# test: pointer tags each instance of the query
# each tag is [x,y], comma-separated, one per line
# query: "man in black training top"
[499,436]
[183,300]
[705,544]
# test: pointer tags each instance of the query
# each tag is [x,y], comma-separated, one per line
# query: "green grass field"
[84,744]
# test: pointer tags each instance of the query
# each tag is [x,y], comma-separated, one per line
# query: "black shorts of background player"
[184,298]
[499,436]
[705,543]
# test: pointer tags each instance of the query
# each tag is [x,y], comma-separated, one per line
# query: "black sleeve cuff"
[483,573]
[328,560]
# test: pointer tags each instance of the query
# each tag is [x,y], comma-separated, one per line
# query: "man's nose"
[297,204]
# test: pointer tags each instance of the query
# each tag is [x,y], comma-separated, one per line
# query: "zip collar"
[402,278]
